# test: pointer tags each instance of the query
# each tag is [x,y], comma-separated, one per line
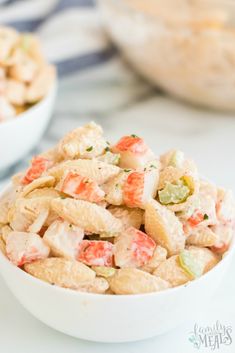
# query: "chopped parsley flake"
[89,149]
[153,166]
[108,143]
[127,170]
[107,149]
[133,135]
[205,217]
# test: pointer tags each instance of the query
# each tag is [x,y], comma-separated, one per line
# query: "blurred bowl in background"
[21,134]
[186,48]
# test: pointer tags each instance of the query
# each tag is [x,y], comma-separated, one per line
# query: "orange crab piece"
[138,188]
[133,248]
[195,219]
[82,188]
[133,189]
[25,247]
[38,166]
[134,153]
[132,144]
[96,253]
[142,246]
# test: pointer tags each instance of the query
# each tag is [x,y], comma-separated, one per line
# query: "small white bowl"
[21,134]
[112,318]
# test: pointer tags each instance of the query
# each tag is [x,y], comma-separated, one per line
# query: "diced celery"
[173,193]
[190,264]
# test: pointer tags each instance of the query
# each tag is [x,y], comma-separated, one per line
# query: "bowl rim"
[3,258]
[24,115]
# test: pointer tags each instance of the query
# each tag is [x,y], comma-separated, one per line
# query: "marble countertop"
[121,102]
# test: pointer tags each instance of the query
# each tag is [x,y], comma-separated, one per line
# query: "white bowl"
[112,318]
[19,135]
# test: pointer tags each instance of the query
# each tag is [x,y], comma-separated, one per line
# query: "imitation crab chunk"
[81,187]
[133,151]
[63,238]
[133,248]
[140,187]
[96,253]
[22,248]
[39,165]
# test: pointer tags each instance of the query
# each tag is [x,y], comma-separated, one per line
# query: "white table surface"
[122,103]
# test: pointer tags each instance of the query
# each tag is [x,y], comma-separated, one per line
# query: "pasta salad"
[114,218]
[25,76]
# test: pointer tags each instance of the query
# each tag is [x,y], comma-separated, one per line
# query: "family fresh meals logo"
[211,337]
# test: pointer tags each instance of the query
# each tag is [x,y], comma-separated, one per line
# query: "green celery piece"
[188,262]
[173,193]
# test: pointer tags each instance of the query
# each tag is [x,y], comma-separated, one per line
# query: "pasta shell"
[224,233]
[2,246]
[45,192]
[83,142]
[6,201]
[61,272]
[208,188]
[99,285]
[202,236]
[5,231]
[159,255]
[164,227]
[130,217]
[172,174]
[204,256]
[40,220]
[88,216]
[26,211]
[225,206]
[96,170]
[171,271]
[41,182]
[134,281]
